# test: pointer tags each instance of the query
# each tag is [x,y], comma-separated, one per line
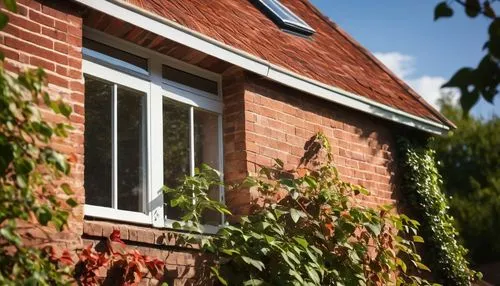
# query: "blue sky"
[404,36]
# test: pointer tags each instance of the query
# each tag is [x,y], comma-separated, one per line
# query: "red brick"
[55,34]
[41,18]
[32,4]
[61,47]
[39,62]
[35,50]
[54,13]
[61,26]
[23,22]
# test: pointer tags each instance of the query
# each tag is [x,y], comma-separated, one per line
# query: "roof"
[330,56]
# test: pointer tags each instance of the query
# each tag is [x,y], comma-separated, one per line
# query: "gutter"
[185,36]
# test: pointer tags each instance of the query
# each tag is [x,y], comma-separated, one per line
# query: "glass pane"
[131,149]
[115,56]
[98,157]
[188,79]
[175,148]
[207,152]
[206,138]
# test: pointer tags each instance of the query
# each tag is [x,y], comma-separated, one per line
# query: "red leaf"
[115,236]
[66,258]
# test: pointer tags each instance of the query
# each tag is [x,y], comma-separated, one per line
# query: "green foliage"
[30,172]
[308,230]
[192,197]
[421,190]
[482,80]
[469,161]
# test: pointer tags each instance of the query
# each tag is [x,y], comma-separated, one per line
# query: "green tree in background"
[482,80]
[469,160]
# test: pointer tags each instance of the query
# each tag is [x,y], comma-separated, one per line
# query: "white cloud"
[400,64]
[404,67]
[428,87]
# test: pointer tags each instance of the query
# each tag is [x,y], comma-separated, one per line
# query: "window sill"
[132,233]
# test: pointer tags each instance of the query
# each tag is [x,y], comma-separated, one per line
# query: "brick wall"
[49,35]
[277,122]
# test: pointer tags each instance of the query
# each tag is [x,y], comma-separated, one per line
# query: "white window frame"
[155,87]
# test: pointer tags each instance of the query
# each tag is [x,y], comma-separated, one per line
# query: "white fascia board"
[182,35]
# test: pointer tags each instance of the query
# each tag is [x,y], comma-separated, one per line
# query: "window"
[149,120]
[285,18]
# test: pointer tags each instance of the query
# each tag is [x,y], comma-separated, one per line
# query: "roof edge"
[381,65]
[198,41]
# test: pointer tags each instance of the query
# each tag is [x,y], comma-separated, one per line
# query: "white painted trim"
[114,76]
[115,214]
[187,97]
[149,54]
[114,147]
[156,166]
[180,34]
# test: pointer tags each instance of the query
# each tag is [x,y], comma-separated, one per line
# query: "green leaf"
[10,5]
[401,264]
[66,189]
[374,228]
[289,184]
[472,8]
[310,181]
[301,241]
[65,109]
[253,282]
[4,19]
[71,202]
[221,279]
[44,215]
[23,166]
[296,214]
[10,235]
[462,78]
[422,266]
[313,275]
[417,238]
[442,10]
[255,263]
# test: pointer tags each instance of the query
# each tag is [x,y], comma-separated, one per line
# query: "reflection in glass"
[175,148]
[131,138]
[98,156]
[207,152]
[114,56]
[189,79]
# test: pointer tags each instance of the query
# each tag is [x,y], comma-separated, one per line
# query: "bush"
[307,230]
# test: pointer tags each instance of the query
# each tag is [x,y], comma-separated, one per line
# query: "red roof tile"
[330,56]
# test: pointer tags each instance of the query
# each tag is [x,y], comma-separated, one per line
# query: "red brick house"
[158,87]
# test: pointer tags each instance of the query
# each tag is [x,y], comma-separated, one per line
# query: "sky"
[404,36]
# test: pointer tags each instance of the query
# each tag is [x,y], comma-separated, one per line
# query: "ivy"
[421,191]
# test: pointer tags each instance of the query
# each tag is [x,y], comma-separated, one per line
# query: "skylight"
[285,18]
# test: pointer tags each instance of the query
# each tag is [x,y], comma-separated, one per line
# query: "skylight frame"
[292,23]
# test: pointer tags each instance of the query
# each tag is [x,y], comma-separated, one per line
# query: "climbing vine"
[422,193]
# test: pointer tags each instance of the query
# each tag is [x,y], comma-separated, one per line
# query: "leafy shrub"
[30,173]
[307,230]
